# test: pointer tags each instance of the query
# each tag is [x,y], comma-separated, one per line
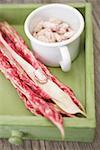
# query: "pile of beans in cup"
[52,30]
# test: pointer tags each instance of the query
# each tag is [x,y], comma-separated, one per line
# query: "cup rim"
[74,37]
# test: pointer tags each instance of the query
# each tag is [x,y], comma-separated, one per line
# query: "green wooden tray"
[16,122]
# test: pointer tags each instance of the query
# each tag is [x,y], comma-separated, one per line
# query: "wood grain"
[45,145]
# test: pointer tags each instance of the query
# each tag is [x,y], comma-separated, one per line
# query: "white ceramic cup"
[60,53]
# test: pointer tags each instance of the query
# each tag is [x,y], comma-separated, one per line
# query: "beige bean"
[38,27]
[64,25]
[43,38]
[57,37]
[62,28]
[42,32]
[56,21]
[50,35]
[67,35]
[61,31]
[34,34]
[50,25]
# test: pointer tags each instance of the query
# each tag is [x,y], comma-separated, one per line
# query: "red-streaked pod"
[57,91]
[38,104]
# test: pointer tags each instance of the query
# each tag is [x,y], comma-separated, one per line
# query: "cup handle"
[65,62]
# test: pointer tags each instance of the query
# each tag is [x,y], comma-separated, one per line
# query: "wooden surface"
[44,145]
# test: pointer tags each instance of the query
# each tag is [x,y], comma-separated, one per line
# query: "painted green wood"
[49,133]
[13,114]
[89,56]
